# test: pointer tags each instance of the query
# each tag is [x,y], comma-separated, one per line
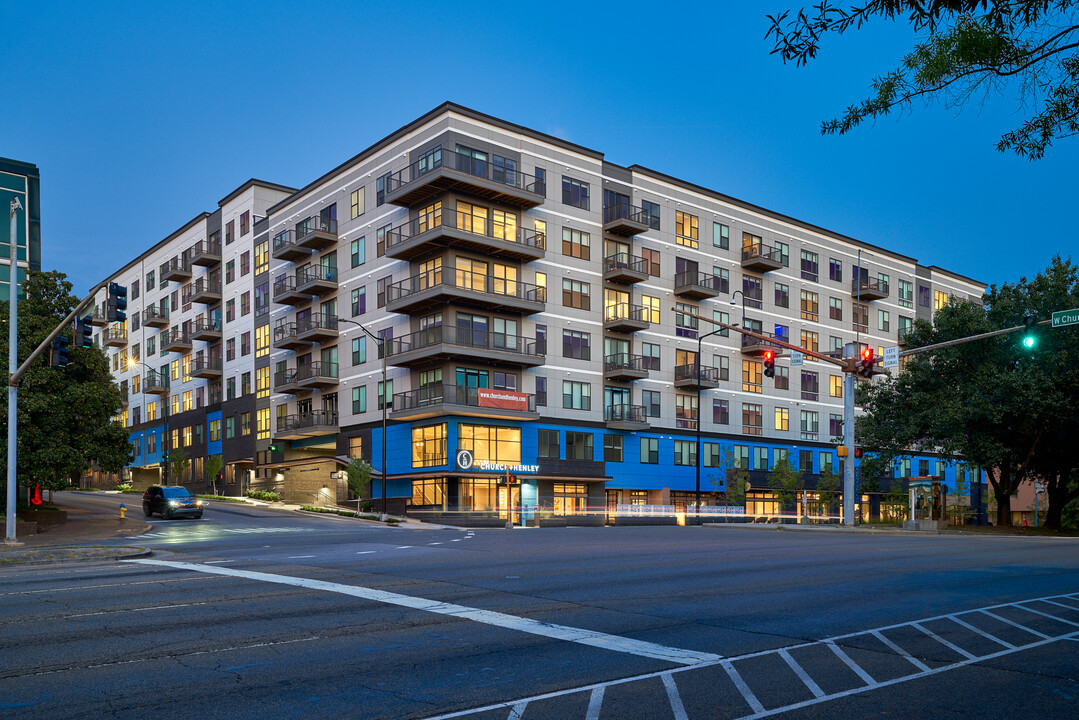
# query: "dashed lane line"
[616,643]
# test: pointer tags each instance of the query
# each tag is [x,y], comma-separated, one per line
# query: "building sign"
[464,459]
[503,399]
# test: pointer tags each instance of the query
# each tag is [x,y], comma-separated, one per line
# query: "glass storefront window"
[429,491]
[491,443]
[429,445]
[479,494]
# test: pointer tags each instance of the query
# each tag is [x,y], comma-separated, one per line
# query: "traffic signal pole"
[850,352]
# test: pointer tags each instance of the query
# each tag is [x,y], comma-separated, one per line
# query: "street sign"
[1066,317]
[891,357]
[797,358]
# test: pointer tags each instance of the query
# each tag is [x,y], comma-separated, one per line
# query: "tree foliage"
[65,416]
[1013,411]
[964,48]
[729,478]
[787,482]
[178,462]
[213,466]
[359,478]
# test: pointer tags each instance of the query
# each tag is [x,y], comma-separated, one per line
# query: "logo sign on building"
[891,357]
[503,399]
[464,460]
[797,358]
[1066,317]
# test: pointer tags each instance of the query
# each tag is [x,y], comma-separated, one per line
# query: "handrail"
[625,413]
[315,223]
[759,250]
[315,418]
[703,279]
[625,261]
[478,339]
[625,311]
[460,220]
[204,247]
[452,160]
[440,394]
[466,280]
[625,361]
[689,372]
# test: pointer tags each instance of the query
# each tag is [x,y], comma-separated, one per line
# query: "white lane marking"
[900,651]
[218,562]
[742,687]
[436,543]
[983,633]
[366,552]
[403,547]
[256,531]
[676,700]
[127,610]
[517,711]
[866,677]
[566,633]
[942,641]
[802,674]
[1066,607]
[1051,617]
[595,702]
[299,557]
[1015,624]
[456,540]
[105,585]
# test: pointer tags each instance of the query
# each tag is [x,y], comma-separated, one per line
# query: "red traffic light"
[857,452]
[769,363]
[769,355]
[867,354]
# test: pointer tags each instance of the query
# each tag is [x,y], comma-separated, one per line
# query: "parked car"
[170,502]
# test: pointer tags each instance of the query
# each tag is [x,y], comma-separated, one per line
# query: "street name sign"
[797,358]
[1066,317]
[891,357]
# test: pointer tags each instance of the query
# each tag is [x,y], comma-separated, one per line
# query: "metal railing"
[748,341]
[283,330]
[204,247]
[689,372]
[177,263]
[114,333]
[300,421]
[154,379]
[627,311]
[204,285]
[444,394]
[765,252]
[626,212]
[625,261]
[695,277]
[480,226]
[625,413]
[313,224]
[467,164]
[871,284]
[175,335]
[316,321]
[466,280]
[625,361]
[315,272]
[205,363]
[154,313]
[470,338]
[207,325]
[285,239]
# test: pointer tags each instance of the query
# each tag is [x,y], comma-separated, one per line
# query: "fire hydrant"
[123,509]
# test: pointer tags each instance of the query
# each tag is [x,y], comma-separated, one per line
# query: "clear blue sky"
[141,115]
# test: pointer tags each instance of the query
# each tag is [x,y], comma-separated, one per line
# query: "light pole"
[13,365]
[382,399]
[165,443]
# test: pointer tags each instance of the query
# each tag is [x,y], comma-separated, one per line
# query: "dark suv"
[170,502]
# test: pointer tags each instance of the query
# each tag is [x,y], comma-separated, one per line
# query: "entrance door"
[509,503]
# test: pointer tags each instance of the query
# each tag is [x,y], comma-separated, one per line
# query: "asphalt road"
[256,613]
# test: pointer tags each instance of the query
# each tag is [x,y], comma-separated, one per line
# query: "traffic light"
[865,365]
[857,452]
[60,353]
[1028,337]
[769,363]
[274,448]
[841,451]
[84,333]
[116,304]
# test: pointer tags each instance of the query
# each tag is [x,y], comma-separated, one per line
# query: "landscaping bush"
[264,495]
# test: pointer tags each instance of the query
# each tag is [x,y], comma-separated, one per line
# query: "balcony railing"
[314,224]
[750,343]
[316,321]
[625,261]
[434,395]
[173,337]
[205,363]
[155,315]
[312,274]
[627,363]
[466,280]
[176,268]
[621,211]
[284,246]
[203,286]
[481,227]
[470,338]
[467,164]
[205,252]
[764,252]
[697,278]
[627,312]
[625,414]
[315,370]
[709,374]
[116,335]
[873,288]
[302,421]
[154,381]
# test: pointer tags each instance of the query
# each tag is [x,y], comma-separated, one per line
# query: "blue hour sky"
[141,115]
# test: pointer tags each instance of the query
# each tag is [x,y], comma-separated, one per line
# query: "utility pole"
[12,366]
[850,351]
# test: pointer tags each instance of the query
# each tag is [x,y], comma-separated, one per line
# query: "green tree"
[729,478]
[787,482]
[178,462]
[214,465]
[828,484]
[359,477]
[964,48]
[66,417]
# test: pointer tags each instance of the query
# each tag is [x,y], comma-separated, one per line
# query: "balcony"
[685,376]
[449,170]
[436,400]
[316,233]
[466,231]
[123,394]
[696,285]
[305,425]
[285,381]
[97,316]
[285,293]
[626,367]
[625,220]
[154,383]
[115,336]
[206,291]
[206,367]
[316,328]
[869,289]
[761,258]
[317,280]
[756,346]
[625,417]
[285,247]
[205,252]
[154,316]
[625,269]
[207,330]
[175,340]
[441,286]
[286,337]
[178,269]
[448,341]
[625,317]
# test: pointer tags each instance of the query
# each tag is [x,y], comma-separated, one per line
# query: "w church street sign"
[1066,317]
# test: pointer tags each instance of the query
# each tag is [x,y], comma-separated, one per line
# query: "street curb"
[30,559]
[829,530]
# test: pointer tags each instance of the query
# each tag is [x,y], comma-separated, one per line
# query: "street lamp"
[131,363]
[739,292]
[382,398]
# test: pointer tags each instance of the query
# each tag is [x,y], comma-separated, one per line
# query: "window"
[245,423]
[245,303]
[719,316]
[358,249]
[860,313]
[884,321]
[575,243]
[649,451]
[721,236]
[230,310]
[722,279]
[575,294]
[579,446]
[752,288]
[549,444]
[685,324]
[906,294]
[262,382]
[651,401]
[612,448]
[835,386]
[809,306]
[809,265]
[752,419]
[245,262]
[385,395]
[429,445]
[541,390]
[575,344]
[359,301]
[150,281]
[835,308]
[651,258]
[685,452]
[650,214]
[380,189]
[575,192]
[576,395]
[245,344]
[835,269]
[262,341]
[685,411]
[359,350]
[245,222]
[810,385]
[357,202]
[752,372]
[383,283]
[835,425]
[783,295]
[906,324]
[721,412]
[760,458]
[230,232]
[923,296]
[940,299]
[782,418]
[810,424]
[685,229]
[809,340]
[245,383]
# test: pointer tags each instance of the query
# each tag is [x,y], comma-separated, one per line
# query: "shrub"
[123,487]
[264,495]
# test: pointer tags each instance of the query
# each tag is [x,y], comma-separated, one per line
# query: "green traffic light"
[1028,341]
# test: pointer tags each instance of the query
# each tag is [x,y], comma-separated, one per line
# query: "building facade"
[540,311]
[22,180]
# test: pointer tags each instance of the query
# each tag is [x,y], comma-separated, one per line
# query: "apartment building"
[20,180]
[540,310]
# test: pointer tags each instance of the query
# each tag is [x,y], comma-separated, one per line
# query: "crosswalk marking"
[942,641]
[802,674]
[865,677]
[1014,624]
[595,702]
[900,651]
[676,700]
[740,683]
[983,633]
